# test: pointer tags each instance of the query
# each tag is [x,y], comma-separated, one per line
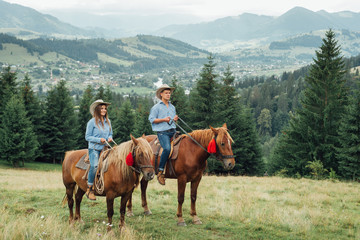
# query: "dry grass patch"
[230,208]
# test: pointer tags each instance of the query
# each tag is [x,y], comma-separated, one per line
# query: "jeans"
[94,160]
[164,138]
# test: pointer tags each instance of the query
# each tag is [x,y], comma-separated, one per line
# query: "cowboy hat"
[95,104]
[162,88]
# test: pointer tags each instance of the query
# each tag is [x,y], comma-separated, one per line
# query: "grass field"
[229,207]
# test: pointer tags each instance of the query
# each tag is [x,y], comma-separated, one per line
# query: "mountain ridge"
[20,17]
[295,21]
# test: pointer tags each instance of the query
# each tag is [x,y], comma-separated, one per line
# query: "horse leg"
[144,185]
[194,187]
[123,202]
[70,200]
[181,193]
[78,198]
[110,208]
[129,212]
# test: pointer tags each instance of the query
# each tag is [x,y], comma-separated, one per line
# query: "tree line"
[322,137]
[307,121]
[44,129]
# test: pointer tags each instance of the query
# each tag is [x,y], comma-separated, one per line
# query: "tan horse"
[190,166]
[119,180]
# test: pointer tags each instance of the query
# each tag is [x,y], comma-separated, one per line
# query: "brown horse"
[119,180]
[190,165]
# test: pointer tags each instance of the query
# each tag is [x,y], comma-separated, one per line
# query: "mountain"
[226,29]
[249,27]
[121,25]
[31,22]
[138,54]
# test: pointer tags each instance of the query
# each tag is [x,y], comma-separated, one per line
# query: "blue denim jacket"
[94,134]
[160,110]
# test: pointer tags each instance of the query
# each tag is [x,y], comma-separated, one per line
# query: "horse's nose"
[230,165]
[150,175]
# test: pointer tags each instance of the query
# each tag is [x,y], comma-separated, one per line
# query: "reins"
[217,148]
[99,184]
[191,137]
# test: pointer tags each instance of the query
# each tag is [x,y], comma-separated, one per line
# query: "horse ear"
[214,130]
[134,139]
[225,126]
[143,136]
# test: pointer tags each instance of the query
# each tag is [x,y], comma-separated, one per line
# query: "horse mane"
[119,153]
[204,136]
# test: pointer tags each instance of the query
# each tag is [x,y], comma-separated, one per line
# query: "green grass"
[229,207]
[36,166]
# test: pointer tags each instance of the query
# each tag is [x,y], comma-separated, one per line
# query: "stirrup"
[90,194]
[161,178]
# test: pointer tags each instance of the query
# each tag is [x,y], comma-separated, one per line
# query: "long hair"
[118,155]
[97,116]
[203,136]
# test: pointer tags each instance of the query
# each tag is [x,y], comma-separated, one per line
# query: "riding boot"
[161,178]
[90,193]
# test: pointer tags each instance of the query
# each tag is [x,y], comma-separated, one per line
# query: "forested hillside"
[141,53]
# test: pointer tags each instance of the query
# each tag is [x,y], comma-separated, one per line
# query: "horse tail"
[65,199]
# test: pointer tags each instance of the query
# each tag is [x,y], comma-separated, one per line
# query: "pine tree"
[348,153]
[60,122]
[123,124]
[100,93]
[84,115]
[8,87]
[247,145]
[179,100]
[18,141]
[142,124]
[313,131]
[264,122]
[34,110]
[203,98]
[242,128]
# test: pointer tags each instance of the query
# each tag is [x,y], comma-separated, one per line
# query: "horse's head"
[142,155]
[224,151]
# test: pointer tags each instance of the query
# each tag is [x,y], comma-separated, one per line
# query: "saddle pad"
[83,165]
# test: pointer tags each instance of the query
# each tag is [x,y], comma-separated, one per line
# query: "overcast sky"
[205,9]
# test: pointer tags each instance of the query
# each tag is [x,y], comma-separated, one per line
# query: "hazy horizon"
[203,10]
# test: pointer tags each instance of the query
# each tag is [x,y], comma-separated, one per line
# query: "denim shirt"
[160,110]
[94,134]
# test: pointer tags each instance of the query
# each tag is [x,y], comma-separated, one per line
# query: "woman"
[98,131]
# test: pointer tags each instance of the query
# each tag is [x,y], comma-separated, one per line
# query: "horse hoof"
[147,213]
[181,224]
[130,214]
[197,222]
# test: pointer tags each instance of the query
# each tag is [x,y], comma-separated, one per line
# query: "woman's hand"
[167,119]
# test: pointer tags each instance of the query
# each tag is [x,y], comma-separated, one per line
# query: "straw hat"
[162,88]
[95,104]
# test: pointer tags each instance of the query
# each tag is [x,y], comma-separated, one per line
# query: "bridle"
[138,167]
[218,154]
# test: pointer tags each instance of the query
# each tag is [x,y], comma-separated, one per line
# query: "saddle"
[84,163]
[157,150]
